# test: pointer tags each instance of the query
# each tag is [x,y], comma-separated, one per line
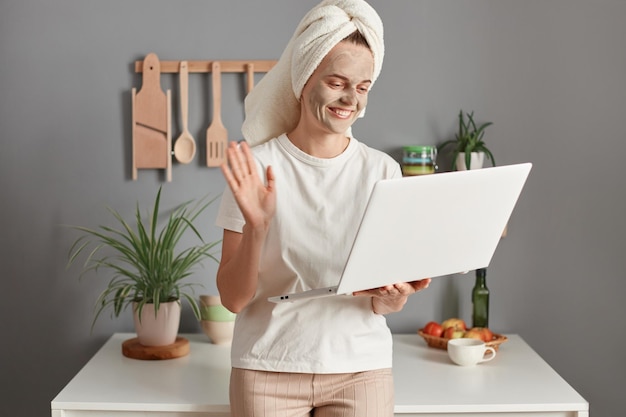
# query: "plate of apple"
[437,334]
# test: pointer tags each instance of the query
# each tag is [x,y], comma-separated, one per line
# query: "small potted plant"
[468,144]
[148,267]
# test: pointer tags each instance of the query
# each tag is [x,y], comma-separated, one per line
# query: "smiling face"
[337,91]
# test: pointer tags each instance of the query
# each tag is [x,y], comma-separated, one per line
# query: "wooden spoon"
[216,134]
[185,146]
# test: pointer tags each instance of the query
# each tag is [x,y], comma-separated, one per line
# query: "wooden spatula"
[216,134]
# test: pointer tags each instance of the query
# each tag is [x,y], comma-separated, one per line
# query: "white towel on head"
[273,107]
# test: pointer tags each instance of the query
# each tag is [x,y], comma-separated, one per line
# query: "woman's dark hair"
[357,38]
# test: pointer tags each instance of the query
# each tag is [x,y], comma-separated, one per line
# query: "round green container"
[419,160]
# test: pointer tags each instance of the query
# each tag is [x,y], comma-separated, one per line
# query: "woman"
[290,212]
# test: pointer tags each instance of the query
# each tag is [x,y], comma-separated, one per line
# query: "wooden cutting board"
[131,348]
[152,136]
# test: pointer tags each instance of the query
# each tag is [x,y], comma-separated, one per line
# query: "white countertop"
[426,382]
[518,379]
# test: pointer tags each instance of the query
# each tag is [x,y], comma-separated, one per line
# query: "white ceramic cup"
[469,352]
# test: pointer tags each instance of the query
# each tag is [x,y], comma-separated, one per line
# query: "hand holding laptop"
[391,298]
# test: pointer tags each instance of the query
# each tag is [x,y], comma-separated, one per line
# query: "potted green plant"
[148,267]
[468,141]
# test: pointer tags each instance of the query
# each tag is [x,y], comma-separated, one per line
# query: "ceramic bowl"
[220,332]
[211,308]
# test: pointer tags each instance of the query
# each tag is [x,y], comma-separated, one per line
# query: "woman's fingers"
[237,161]
[239,165]
[399,289]
[250,165]
[227,171]
[270,178]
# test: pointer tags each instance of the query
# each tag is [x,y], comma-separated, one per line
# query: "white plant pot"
[477,159]
[160,330]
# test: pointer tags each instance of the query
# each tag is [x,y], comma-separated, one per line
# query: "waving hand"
[256,199]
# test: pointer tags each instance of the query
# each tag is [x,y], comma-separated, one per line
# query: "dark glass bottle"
[480,300]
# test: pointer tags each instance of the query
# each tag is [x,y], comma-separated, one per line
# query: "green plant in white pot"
[148,267]
[468,144]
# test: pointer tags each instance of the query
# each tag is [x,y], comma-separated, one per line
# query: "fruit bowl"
[442,342]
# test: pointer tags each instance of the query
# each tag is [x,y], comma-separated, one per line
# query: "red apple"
[456,323]
[452,333]
[487,334]
[474,333]
[433,328]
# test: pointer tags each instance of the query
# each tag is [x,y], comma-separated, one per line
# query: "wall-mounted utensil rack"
[152,131]
[205,66]
[248,67]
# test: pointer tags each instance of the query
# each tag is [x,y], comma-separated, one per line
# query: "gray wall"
[549,74]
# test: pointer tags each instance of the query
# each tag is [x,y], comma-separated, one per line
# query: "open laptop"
[427,226]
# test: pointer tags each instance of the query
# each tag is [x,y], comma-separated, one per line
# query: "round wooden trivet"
[131,348]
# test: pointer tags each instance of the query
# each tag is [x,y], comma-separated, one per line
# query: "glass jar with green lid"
[419,160]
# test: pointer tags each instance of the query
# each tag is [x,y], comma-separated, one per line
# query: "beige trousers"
[279,394]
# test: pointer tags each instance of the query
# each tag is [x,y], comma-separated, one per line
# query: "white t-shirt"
[320,203]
